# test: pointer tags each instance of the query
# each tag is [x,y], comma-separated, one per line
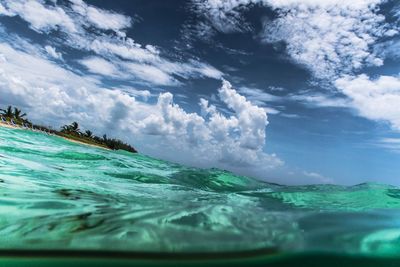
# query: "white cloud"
[258,96]
[147,64]
[321,100]
[389,49]
[4,11]
[223,16]
[152,49]
[234,143]
[43,18]
[40,17]
[392,144]
[318,178]
[101,18]
[99,65]
[150,73]
[126,49]
[52,52]
[376,99]
[333,39]
[252,120]
[144,94]
[85,27]
[269,110]
[337,34]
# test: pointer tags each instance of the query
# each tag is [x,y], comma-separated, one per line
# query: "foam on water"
[58,194]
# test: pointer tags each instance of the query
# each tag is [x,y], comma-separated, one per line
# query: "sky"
[286,91]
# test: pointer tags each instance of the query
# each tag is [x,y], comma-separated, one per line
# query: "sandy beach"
[2,124]
[82,143]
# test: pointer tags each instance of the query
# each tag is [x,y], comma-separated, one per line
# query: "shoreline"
[80,142]
[2,124]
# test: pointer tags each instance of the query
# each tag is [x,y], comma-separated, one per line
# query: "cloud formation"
[320,100]
[337,34]
[392,144]
[376,99]
[100,18]
[100,66]
[232,142]
[334,39]
[103,32]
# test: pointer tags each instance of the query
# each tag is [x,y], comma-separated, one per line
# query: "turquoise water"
[56,194]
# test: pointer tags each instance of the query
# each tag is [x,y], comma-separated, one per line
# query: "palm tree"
[66,129]
[75,127]
[18,115]
[88,133]
[8,112]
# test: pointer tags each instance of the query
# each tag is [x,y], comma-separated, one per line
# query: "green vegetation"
[72,131]
[14,116]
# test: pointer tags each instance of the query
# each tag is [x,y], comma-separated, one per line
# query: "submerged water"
[60,195]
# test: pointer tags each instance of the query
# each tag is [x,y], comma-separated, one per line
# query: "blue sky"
[288,91]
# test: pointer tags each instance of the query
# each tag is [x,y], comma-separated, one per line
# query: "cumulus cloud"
[87,28]
[233,142]
[376,99]
[252,120]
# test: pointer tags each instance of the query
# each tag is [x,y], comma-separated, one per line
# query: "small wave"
[56,194]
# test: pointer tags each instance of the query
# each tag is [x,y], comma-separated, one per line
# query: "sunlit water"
[61,195]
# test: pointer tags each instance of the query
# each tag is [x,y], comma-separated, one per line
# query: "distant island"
[14,117]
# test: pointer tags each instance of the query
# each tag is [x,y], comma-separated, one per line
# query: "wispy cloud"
[320,100]
[257,94]
[261,98]
[87,28]
[317,177]
[392,144]
[100,66]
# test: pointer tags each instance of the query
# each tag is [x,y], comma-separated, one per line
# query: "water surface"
[55,194]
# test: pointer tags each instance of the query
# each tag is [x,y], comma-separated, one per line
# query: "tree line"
[72,131]
[112,143]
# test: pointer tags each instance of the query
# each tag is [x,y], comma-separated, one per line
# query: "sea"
[60,195]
